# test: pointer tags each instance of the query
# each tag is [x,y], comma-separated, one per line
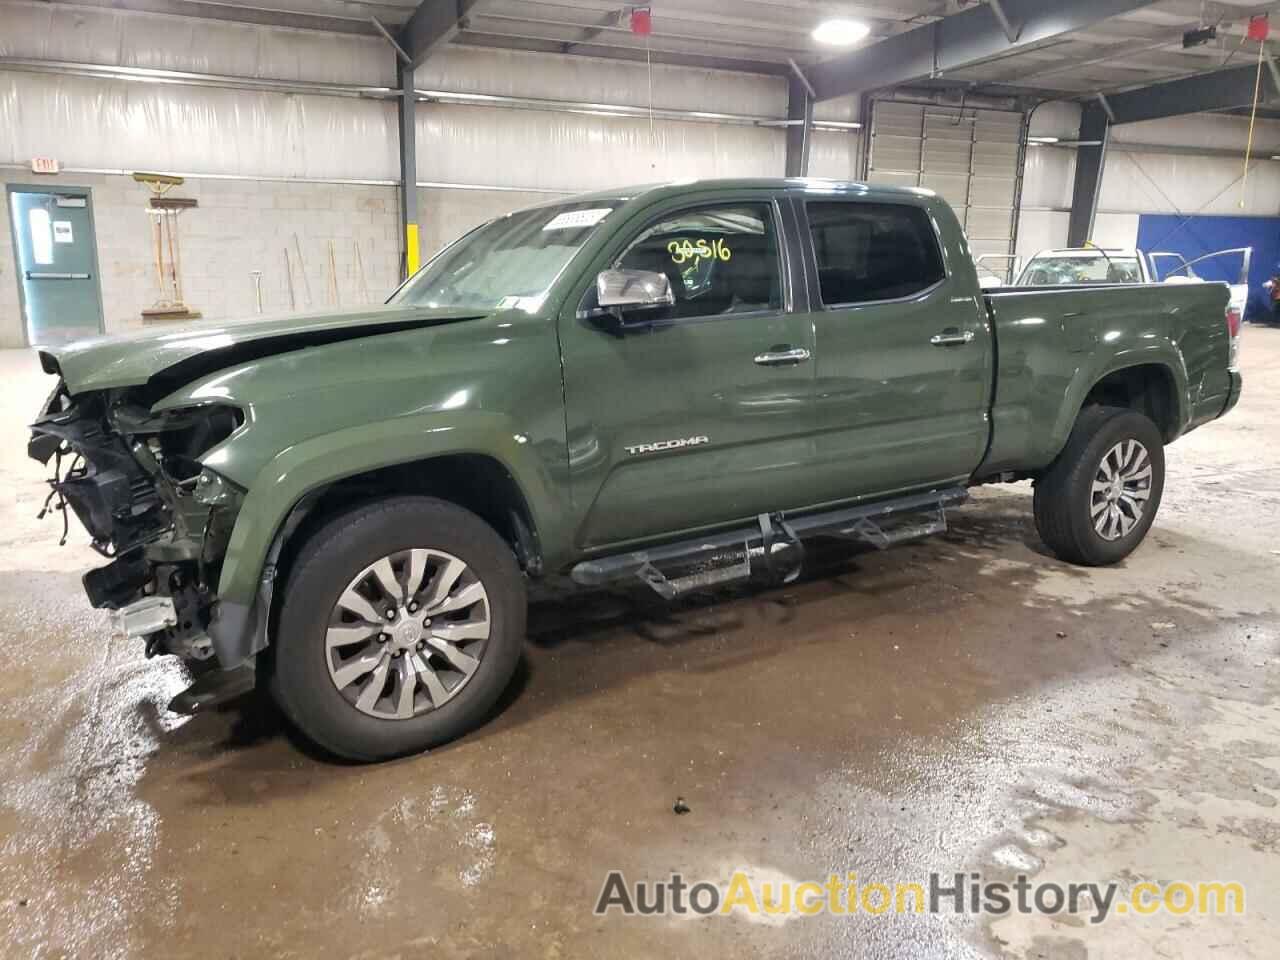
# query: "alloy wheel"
[1121,489]
[407,633]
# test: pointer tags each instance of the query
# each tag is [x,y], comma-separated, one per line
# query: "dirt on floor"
[966,705]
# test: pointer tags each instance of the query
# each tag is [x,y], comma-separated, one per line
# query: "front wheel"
[1096,502]
[402,624]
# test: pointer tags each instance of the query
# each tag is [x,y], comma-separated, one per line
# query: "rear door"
[703,414]
[57,264]
[904,347]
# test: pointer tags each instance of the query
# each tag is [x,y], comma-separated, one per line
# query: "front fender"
[326,459]
[321,414]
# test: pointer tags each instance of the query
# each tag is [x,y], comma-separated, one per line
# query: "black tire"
[337,552]
[1064,494]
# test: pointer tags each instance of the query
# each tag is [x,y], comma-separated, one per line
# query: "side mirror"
[621,290]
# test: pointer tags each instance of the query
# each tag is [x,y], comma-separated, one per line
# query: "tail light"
[1233,331]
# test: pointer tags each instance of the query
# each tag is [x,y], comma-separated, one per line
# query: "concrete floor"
[968,703]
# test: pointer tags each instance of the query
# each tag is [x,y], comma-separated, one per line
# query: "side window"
[41,236]
[872,251]
[720,259]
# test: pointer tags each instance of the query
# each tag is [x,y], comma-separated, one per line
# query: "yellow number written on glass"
[682,251]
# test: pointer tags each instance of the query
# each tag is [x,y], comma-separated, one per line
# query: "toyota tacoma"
[677,385]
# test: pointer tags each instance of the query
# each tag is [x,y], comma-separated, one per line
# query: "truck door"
[703,413]
[903,347]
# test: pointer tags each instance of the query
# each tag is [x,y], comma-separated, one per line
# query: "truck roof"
[799,184]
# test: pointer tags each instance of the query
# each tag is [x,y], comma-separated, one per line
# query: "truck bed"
[1047,341]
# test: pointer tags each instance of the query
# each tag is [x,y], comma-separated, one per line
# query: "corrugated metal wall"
[1137,181]
[325,144]
[126,125]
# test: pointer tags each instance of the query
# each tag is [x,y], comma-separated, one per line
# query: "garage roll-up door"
[971,157]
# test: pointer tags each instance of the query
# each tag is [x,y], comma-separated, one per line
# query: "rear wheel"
[402,624]
[1096,502]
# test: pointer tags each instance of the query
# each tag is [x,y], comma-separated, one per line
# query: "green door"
[903,378]
[57,264]
[703,414]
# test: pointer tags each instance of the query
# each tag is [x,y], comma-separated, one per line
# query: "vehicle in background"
[1183,271]
[1089,265]
[1085,265]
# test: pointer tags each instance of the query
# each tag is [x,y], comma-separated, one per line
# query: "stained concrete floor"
[967,703]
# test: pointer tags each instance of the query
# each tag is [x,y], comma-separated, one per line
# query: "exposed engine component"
[135,481]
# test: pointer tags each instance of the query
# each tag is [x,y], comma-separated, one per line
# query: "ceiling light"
[840,33]
[1042,139]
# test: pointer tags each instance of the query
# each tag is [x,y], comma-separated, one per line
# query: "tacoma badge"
[661,445]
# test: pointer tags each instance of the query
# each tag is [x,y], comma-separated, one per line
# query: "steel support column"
[799,128]
[1091,156]
[411,254]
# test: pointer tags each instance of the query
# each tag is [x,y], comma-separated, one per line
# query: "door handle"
[952,337]
[33,275]
[781,356]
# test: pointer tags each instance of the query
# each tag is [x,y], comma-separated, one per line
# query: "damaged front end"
[134,479]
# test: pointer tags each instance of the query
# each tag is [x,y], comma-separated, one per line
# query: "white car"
[1075,265]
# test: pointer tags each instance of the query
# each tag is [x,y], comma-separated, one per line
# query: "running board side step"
[775,538]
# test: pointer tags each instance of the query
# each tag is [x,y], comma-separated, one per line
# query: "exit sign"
[44,165]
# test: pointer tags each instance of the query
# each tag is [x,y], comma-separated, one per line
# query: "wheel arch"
[1152,385]
[1149,388]
[479,482]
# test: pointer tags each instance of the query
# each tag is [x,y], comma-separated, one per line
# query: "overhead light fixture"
[1042,139]
[840,33]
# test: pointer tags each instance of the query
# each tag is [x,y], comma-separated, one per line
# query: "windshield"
[510,262]
[1081,269]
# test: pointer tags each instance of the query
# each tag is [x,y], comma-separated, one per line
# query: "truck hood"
[195,350]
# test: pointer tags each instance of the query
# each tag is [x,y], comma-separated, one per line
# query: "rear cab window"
[868,252]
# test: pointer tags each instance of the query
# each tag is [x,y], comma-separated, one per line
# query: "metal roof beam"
[257,16]
[1222,90]
[964,38]
[599,48]
[433,23]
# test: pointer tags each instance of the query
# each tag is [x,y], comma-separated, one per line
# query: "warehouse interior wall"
[239,227]
[1139,181]
[269,167]
[266,166]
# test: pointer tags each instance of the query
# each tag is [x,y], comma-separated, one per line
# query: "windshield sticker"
[577,219]
[685,250]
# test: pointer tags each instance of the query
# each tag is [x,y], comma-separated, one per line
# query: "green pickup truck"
[676,385]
